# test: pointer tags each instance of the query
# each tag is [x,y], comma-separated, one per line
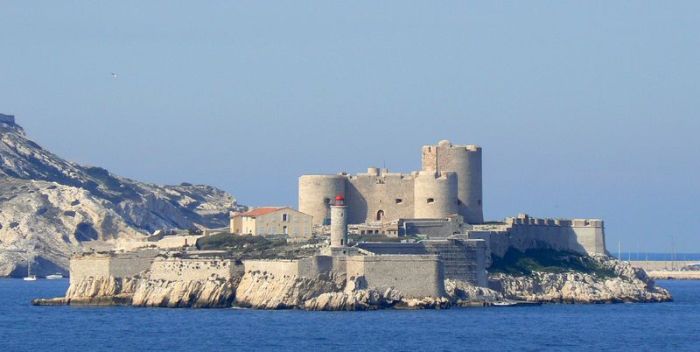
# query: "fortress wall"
[590,238]
[88,266]
[187,269]
[115,265]
[497,242]
[463,260]
[435,196]
[367,194]
[129,266]
[316,265]
[585,236]
[315,194]
[278,268]
[415,276]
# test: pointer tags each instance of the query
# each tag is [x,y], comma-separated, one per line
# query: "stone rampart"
[585,236]
[89,266]
[415,276]
[119,265]
[318,265]
[278,268]
[194,269]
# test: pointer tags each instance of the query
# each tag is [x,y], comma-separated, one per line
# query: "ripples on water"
[665,326]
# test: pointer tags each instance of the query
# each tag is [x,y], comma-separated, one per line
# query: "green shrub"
[515,262]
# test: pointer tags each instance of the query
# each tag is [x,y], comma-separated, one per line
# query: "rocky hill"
[50,207]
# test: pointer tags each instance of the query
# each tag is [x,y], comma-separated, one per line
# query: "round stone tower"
[465,162]
[316,193]
[435,195]
[339,223]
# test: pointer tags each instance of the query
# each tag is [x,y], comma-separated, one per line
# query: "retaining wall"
[415,276]
[189,269]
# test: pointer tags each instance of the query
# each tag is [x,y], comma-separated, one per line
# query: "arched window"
[380,215]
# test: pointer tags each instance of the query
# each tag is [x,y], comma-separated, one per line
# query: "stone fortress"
[443,199]
[448,184]
[442,204]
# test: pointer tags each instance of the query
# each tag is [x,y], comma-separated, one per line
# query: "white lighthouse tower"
[339,223]
[339,230]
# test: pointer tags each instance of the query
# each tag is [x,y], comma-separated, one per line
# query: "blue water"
[646,327]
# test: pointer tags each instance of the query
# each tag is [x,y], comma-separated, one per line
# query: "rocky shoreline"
[627,285]
[260,290]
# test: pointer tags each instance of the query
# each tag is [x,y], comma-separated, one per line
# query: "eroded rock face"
[629,285]
[196,294]
[266,291]
[253,290]
[465,294]
[50,207]
[107,291]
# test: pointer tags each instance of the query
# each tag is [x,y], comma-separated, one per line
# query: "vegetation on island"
[257,247]
[518,263]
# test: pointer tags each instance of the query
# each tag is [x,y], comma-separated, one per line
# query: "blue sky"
[584,109]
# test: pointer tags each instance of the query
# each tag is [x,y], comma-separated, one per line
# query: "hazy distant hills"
[50,207]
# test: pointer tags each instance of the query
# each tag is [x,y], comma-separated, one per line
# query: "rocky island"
[219,279]
[357,242]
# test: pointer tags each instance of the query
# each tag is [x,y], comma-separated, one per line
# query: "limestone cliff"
[173,294]
[50,207]
[252,290]
[142,292]
[266,291]
[628,284]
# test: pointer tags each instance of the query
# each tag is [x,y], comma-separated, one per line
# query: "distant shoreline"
[668,269]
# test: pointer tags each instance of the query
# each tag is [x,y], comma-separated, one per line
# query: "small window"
[431,200]
[398,200]
[285,217]
[326,201]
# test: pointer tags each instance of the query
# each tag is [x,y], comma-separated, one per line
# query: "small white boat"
[56,276]
[29,276]
[510,303]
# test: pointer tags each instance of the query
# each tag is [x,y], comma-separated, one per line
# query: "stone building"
[448,184]
[272,221]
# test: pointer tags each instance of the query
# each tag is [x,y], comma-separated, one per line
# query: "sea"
[671,326]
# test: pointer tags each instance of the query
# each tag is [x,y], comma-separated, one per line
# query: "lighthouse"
[339,223]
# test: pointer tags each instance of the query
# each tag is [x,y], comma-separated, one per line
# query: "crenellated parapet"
[523,232]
